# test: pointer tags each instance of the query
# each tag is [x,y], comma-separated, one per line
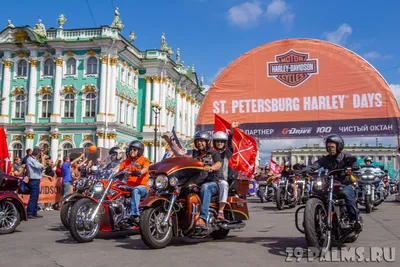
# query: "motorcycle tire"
[65,212]
[72,223]
[279,200]
[352,239]
[220,234]
[145,231]
[310,224]
[368,204]
[261,194]
[5,205]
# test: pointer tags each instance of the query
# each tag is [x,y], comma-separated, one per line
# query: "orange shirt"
[141,163]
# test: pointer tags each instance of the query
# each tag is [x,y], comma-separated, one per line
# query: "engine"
[120,208]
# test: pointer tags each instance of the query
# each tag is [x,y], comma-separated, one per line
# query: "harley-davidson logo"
[292,68]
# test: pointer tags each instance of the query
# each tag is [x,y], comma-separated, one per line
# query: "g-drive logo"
[297,131]
[292,68]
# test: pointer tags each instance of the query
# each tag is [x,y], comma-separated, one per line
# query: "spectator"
[75,169]
[66,173]
[51,175]
[17,168]
[34,165]
[28,154]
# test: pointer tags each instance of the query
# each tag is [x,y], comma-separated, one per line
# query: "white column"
[134,116]
[148,100]
[30,117]
[136,80]
[123,113]
[103,89]
[28,140]
[163,114]
[54,146]
[146,151]
[56,117]
[178,111]
[106,142]
[100,139]
[192,107]
[128,114]
[6,88]
[113,87]
[183,121]
[156,96]
[189,116]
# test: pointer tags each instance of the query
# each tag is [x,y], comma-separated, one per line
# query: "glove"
[136,173]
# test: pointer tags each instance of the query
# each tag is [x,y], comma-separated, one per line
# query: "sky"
[213,33]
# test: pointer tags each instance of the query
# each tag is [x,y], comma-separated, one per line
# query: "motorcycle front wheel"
[279,198]
[154,234]
[65,213]
[261,194]
[81,227]
[368,204]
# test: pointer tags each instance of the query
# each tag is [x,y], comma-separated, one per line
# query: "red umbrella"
[4,156]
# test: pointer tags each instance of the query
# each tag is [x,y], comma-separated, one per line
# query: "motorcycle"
[284,193]
[303,187]
[12,209]
[267,188]
[175,206]
[369,187]
[81,188]
[325,213]
[106,210]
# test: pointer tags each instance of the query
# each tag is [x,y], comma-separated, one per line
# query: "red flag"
[4,156]
[274,167]
[244,153]
[221,125]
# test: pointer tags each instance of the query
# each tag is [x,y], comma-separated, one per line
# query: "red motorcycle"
[12,209]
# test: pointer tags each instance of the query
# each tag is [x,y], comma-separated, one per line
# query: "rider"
[114,157]
[206,154]
[368,161]
[287,172]
[337,159]
[138,165]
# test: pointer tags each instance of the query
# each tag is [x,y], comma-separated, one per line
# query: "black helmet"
[368,158]
[115,151]
[338,140]
[135,144]
[202,135]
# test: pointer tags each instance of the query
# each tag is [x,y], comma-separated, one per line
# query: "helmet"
[202,135]
[266,166]
[219,136]
[115,151]
[368,158]
[135,144]
[288,164]
[338,140]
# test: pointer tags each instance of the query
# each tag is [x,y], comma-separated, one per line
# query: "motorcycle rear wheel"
[65,213]
[77,222]
[279,200]
[9,217]
[153,234]
[220,234]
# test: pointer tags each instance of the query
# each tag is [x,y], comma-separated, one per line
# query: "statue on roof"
[132,37]
[202,80]
[178,56]
[164,45]
[9,24]
[40,29]
[193,70]
[117,22]
[61,20]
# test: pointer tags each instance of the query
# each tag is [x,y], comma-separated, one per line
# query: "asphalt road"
[263,242]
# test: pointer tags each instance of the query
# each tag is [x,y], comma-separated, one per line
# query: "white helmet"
[220,136]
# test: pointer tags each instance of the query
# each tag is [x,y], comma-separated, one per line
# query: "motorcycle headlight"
[319,184]
[173,181]
[98,187]
[150,182]
[371,176]
[161,181]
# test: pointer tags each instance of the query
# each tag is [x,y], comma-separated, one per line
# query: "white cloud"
[376,55]
[279,9]
[340,35]
[245,15]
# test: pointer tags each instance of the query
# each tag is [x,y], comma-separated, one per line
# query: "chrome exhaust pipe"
[194,212]
[327,248]
[228,226]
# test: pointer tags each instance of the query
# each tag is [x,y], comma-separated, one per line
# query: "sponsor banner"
[50,191]
[310,129]
[300,82]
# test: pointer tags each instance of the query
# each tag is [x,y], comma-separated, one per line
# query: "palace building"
[75,88]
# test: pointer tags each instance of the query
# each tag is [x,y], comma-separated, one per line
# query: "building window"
[129,79]
[91,67]
[389,158]
[69,106]
[20,107]
[46,106]
[66,148]
[17,150]
[48,68]
[123,75]
[90,105]
[22,69]
[302,157]
[121,111]
[380,158]
[71,66]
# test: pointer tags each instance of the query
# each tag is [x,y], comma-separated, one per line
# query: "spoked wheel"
[65,213]
[315,218]
[152,230]
[9,217]
[81,227]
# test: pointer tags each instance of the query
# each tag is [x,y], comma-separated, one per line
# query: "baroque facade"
[75,88]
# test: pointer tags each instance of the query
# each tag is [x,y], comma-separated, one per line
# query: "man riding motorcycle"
[368,161]
[138,165]
[114,157]
[287,172]
[212,168]
[337,159]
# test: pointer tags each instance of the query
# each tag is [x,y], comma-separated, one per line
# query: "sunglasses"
[220,141]
[331,146]
[134,149]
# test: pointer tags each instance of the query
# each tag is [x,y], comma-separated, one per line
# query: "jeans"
[34,188]
[348,193]
[138,192]
[223,191]
[206,192]
[66,188]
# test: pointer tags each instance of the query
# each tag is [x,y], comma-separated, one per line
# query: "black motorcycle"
[325,214]
[284,193]
[266,188]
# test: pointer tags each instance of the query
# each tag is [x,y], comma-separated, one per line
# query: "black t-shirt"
[49,171]
[210,158]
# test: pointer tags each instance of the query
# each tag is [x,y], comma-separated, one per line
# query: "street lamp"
[156,107]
